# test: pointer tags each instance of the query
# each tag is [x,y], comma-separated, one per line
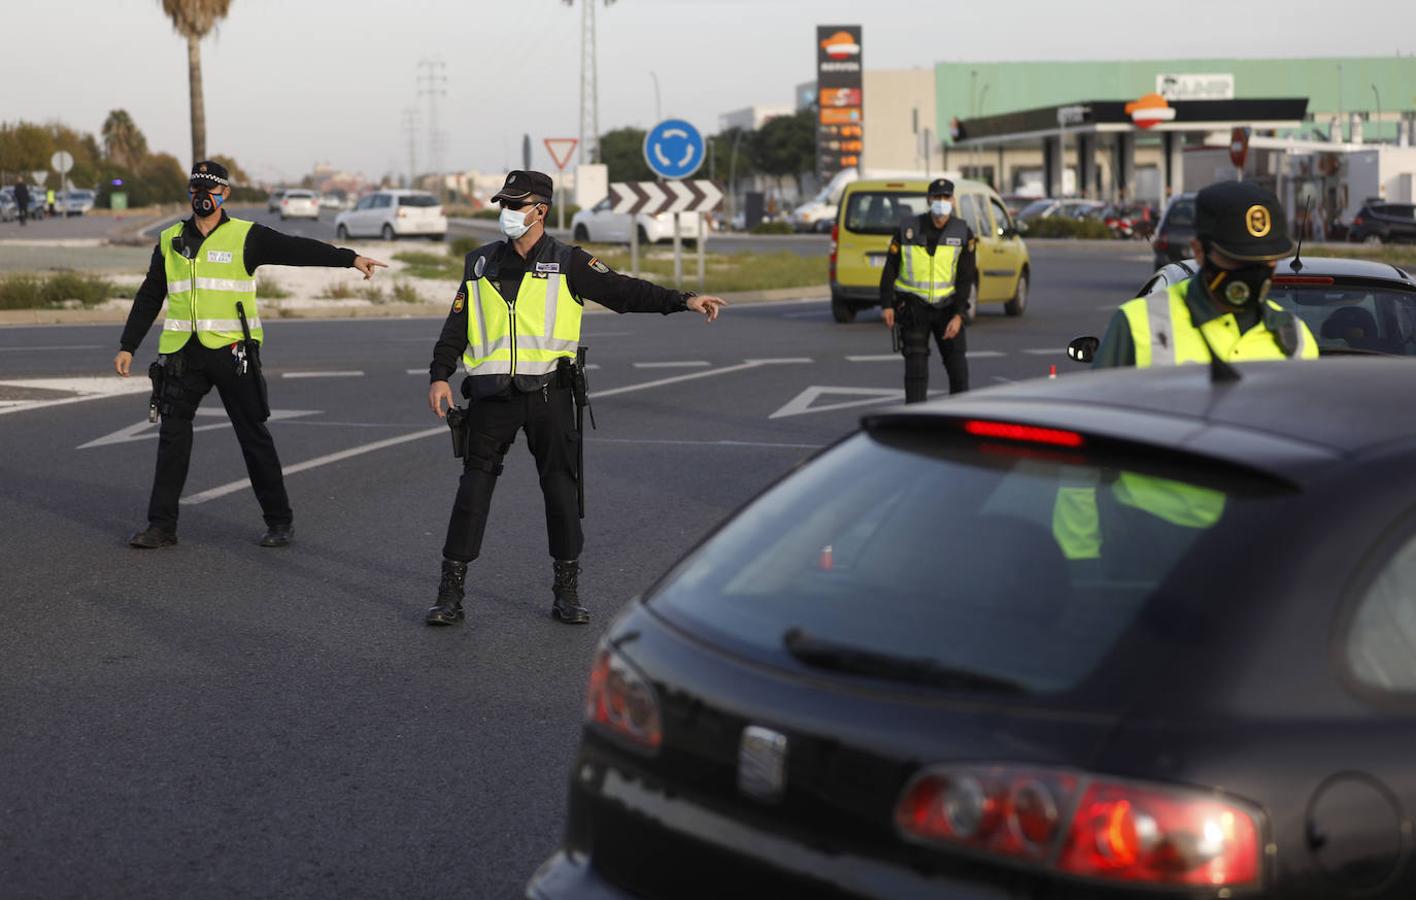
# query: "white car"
[273,201]
[599,225]
[393,214]
[76,202]
[298,203]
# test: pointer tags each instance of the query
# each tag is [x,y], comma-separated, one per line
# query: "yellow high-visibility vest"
[203,289]
[532,332]
[1165,335]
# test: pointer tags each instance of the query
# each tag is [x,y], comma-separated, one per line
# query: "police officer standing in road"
[929,271]
[205,267]
[515,323]
[1240,234]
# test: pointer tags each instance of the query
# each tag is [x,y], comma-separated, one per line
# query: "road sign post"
[674,150]
[560,150]
[62,162]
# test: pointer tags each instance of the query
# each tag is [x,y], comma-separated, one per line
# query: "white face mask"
[513,223]
[941,208]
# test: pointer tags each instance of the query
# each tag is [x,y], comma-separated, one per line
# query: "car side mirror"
[1083,349]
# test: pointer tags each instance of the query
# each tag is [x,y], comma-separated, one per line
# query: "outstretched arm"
[268,247]
[591,279]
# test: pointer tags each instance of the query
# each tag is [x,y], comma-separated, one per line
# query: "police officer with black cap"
[929,271]
[1240,234]
[204,269]
[515,325]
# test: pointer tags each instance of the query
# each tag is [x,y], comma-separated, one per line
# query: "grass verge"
[1397,255]
[431,265]
[60,289]
[269,287]
[723,272]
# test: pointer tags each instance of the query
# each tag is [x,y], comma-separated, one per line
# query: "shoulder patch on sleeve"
[973,243]
[459,301]
[599,266]
[895,246]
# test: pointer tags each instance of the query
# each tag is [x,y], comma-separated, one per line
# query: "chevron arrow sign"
[651,197]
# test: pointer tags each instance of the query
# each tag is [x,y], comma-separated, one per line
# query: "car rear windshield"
[881,212]
[1008,565]
[1396,210]
[1181,213]
[298,195]
[1341,317]
[417,200]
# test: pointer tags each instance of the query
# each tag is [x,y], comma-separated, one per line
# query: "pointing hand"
[367,266]
[708,306]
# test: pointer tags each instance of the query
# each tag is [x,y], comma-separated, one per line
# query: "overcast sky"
[293,82]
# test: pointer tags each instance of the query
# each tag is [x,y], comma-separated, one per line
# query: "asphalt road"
[220,720]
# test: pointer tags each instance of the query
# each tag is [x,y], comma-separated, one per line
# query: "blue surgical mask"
[941,208]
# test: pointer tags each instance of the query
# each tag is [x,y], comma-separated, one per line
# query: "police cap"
[941,187]
[208,174]
[520,184]
[1243,221]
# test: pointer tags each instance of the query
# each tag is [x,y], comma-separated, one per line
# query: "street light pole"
[1379,112]
[658,112]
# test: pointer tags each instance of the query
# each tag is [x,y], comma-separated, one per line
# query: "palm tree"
[123,143]
[194,20]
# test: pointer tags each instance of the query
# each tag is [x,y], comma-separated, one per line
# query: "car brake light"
[621,703]
[835,237]
[1302,279]
[1026,433]
[1161,243]
[1117,831]
[1358,220]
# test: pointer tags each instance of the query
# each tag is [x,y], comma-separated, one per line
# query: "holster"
[166,375]
[457,422]
[580,390]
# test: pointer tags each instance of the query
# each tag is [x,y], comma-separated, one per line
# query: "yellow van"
[871,211]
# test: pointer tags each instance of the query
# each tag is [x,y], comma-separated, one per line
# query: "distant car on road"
[77,201]
[1216,697]
[1016,203]
[1350,305]
[1048,207]
[600,224]
[393,214]
[273,201]
[1175,231]
[335,199]
[298,203]
[1384,223]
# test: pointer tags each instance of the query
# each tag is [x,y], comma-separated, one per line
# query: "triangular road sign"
[802,403]
[560,150]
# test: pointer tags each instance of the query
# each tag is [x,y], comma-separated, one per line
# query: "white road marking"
[145,429]
[985,354]
[87,388]
[234,486]
[349,373]
[685,364]
[1046,351]
[64,347]
[801,404]
[416,371]
[785,360]
[771,444]
[875,357]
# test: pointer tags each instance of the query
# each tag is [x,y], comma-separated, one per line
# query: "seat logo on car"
[762,763]
[1258,221]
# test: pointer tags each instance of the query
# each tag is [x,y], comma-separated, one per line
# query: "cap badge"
[1257,220]
[202,167]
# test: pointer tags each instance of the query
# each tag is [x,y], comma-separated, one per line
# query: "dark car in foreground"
[889,676]
[1384,223]
[1171,242]
[1350,305]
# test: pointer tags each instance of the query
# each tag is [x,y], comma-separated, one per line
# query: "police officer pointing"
[515,324]
[1240,234]
[204,268]
[929,271]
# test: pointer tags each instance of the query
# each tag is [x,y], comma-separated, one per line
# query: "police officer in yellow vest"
[1240,234]
[515,325]
[925,285]
[202,267]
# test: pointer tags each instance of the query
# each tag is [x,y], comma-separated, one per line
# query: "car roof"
[1290,420]
[915,185]
[1331,266]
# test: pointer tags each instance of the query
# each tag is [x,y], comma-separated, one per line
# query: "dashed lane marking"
[1046,351]
[683,364]
[61,347]
[351,373]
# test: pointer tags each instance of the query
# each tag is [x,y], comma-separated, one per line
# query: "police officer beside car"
[204,268]
[515,326]
[1240,234]
[929,270]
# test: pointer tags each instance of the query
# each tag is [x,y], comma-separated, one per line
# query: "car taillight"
[1358,220]
[621,703]
[835,238]
[1085,826]
[1031,434]
[1161,243]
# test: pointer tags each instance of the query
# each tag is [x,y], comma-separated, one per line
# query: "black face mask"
[1243,286]
[204,203]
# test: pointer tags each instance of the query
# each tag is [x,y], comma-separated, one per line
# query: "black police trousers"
[548,418]
[244,398]
[918,322]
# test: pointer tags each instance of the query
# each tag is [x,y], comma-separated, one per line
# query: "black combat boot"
[567,606]
[448,609]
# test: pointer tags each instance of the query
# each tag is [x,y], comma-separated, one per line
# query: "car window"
[969,556]
[602,206]
[1354,318]
[364,203]
[1181,212]
[1381,645]
[382,201]
[1000,216]
[1034,209]
[417,200]
[971,208]
[881,212]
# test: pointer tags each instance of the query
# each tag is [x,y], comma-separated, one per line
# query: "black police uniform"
[919,320]
[540,405]
[197,368]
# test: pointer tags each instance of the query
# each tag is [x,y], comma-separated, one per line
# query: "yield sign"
[560,150]
[144,429]
[802,403]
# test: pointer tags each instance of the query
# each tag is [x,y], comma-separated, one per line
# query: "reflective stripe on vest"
[1076,521]
[1165,335]
[202,292]
[930,278]
[528,337]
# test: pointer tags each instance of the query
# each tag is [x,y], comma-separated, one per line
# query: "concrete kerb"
[277,309]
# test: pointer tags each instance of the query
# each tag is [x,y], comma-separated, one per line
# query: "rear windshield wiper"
[838,657]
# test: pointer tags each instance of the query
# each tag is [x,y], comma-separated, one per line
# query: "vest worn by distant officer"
[1165,334]
[525,335]
[204,285]
[930,277]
